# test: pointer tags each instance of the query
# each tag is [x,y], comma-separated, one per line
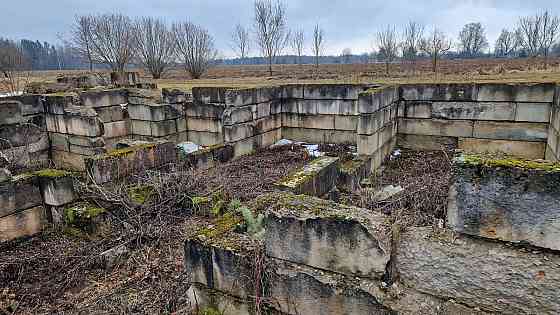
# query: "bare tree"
[13,66]
[549,33]
[435,45]
[472,39]
[297,43]
[81,38]
[154,45]
[241,41]
[270,28]
[529,34]
[388,45]
[346,55]
[412,38]
[195,46]
[112,40]
[318,42]
[506,44]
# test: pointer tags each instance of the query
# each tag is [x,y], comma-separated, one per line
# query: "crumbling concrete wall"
[508,118]
[553,146]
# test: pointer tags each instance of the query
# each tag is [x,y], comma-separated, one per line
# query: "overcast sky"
[347,23]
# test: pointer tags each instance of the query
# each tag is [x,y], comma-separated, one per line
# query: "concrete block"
[493,277]
[111,113]
[490,92]
[275,107]
[322,234]
[19,194]
[205,138]
[307,107]
[211,95]
[204,124]
[238,115]
[553,139]
[116,129]
[550,154]
[368,145]
[315,179]
[84,126]
[373,100]
[436,127]
[524,149]
[163,128]
[506,203]
[57,190]
[510,131]
[317,121]
[10,112]
[418,110]
[238,132]
[31,104]
[439,92]
[87,151]
[241,97]
[181,124]
[102,98]
[290,91]
[352,172]
[263,110]
[68,160]
[533,112]
[267,124]
[349,123]
[56,123]
[385,134]
[59,141]
[175,96]
[290,106]
[427,143]
[198,109]
[328,107]
[370,123]
[55,104]
[21,224]
[141,127]
[154,112]
[331,91]
[267,94]
[319,135]
[98,142]
[474,110]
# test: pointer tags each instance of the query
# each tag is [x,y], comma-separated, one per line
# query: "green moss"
[127,151]
[52,173]
[81,213]
[141,194]
[508,162]
[198,201]
[221,227]
[210,311]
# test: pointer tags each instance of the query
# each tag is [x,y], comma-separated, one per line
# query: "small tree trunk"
[387,68]
[434,64]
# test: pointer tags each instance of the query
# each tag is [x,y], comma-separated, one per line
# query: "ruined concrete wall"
[204,116]
[377,126]
[509,118]
[23,138]
[553,146]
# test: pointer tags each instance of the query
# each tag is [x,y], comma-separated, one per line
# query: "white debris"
[189,147]
[313,150]
[282,142]
[11,94]
[387,192]
[396,154]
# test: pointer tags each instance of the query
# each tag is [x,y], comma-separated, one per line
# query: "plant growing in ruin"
[255,225]
[154,45]
[195,46]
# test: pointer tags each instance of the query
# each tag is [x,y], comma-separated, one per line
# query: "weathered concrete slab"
[331,91]
[436,127]
[510,199]
[439,92]
[10,112]
[372,100]
[352,172]
[493,277]
[325,235]
[210,95]
[315,179]
[533,112]
[497,92]
[428,143]
[57,187]
[102,98]
[24,223]
[523,149]
[510,131]
[154,112]
[20,193]
[474,110]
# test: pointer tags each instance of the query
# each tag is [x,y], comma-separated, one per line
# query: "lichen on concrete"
[504,161]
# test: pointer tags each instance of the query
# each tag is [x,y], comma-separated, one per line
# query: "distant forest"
[47,56]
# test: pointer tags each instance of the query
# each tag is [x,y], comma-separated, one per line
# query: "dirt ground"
[60,271]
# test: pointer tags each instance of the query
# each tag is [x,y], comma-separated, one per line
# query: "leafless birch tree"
[388,45]
[270,28]
[435,45]
[154,45]
[241,41]
[297,42]
[412,38]
[318,43]
[195,46]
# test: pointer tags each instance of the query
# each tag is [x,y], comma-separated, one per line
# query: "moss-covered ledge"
[504,161]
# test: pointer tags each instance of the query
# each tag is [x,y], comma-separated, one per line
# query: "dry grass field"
[459,70]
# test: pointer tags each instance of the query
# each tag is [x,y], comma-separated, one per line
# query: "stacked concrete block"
[122,163]
[24,141]
[513,118]
[315,179]
[251,119]
[75,132]
[553,140]
[110,106]
[21,207]
[152,120]
[377,126]
[204,116]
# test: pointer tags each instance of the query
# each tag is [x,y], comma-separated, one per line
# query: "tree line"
[116,41]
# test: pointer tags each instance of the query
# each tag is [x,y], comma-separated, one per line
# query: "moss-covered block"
[316,178]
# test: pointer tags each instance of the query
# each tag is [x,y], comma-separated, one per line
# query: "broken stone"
[316,178]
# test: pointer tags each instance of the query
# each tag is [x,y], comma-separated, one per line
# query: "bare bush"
[195,46]
[412,38]
[538,33]
[81,38]
[435,45]
[388,45]
[318,43]
[506,44]
[472,40]
[154,45]
[297,42]
[241,41]
[270,29]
